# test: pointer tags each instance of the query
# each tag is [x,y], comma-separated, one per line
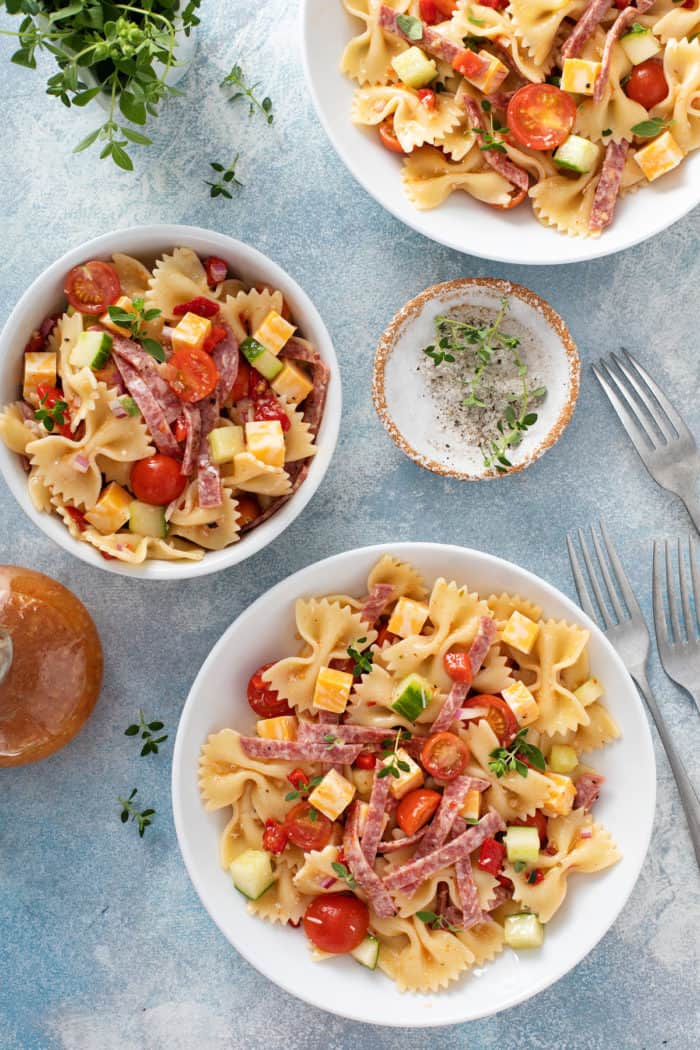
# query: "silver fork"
[659,433]
[679,642]
[629,635]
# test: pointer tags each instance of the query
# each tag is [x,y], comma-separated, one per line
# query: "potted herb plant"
[126,55]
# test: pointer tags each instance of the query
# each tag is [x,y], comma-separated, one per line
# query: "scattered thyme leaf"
[147,729]
[129,811]
[228,179]
[508,759]
[236,79]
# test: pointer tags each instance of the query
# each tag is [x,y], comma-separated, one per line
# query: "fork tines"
[682,625]
[618,594]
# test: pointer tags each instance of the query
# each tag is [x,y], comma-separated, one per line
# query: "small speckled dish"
[403,375]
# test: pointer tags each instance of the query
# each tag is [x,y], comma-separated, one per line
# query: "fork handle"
[691,805]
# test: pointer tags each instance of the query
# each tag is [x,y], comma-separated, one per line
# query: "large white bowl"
[265,632]
[45,296]
[461,222]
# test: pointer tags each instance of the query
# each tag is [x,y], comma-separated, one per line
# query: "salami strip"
[498,161]
[149,406]
[375,818]
[364,874]
[619,27]
[208,476]
[376,602]
[448,713]
[392,845]
[588,788]
[608,188]
[585,27]
[441,825]
[327,718]
[147,368]
[299,751]
[483,641]
[314,404]
[226,360]
[193,440]
[348,734]
[431,41]
[462,846]
[472,913]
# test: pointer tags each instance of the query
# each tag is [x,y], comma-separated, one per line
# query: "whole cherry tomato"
[157,479]
[336,922]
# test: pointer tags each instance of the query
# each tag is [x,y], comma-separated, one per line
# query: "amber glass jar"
[50,665]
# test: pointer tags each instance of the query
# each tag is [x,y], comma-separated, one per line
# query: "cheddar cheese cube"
[284,727]
[274,332]
[408,779]
[292,385]
[589,691]
[408,617]
[190,332]
[579,75]
[123,303]
[39,367]
[332,795]
[265,441]
[332,690]
[520,632]
[111,510]
[560,796]
[522,703]
[660,156]
[493,76]
[471,807]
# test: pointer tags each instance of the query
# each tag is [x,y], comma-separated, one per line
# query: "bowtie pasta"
[164,412]
[571,104]
[415,792]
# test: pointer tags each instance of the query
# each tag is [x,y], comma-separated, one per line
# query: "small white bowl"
[45,296]
[266,631]
[401,375]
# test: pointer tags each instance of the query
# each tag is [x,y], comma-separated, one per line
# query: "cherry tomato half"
[92,287]
[270,408]
[429,12]
[336,922]
[265,701]
[416,808]
[385,637]
[446,7]
[541,116]
[537,820]
[458,666]
[388,137]
[275,836]
[157,479]
[48,397]
[365,760]
[499,715]
[241,387]
[194,374]
[444,756]
[248,510]
[307,827]
[647,84]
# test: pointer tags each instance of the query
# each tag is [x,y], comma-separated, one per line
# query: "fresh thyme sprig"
[236,78]
[505,759]
[515,422]
[436,922]
[492,137]
[147,729]
[344,873]
[394,766]
[135,321]
[142,818]
[228,179]
[363,660]
[51,415]
[303,790]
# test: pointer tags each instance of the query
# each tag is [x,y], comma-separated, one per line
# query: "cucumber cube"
[225,443]
[524,931]
[261,358]
[367,952]
[639,46]
[576,154]
[414,68]
[522,844]
[252,873]
[562,758]
[147,520]
[412,696]
[91,350]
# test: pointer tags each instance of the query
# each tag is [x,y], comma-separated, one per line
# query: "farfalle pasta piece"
[601,729]
[16,431]
[298,441]
[39,492]
[214,535]
[538,22]
[558,646]
[673,21]
[682,104]
[225,769]
[495,673]
[134,277]
[252,475]
[406,581]
[245,312]
[327,630]
[282,903]
[498,28]
[429,178]
[418,958]
[176,279]
[368,55]
[69,466]
[414,123]
[566,203]
[616,114]
[63,338]
[128,547]
[503,605]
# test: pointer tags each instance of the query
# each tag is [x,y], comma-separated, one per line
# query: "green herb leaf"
[236,79]
[344,873]
[507,759]
[649,129]
[410,26]
[129,811]
[153,348]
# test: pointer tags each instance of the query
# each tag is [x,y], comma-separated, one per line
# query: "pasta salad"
[569,104]
[165,411]
[415,792]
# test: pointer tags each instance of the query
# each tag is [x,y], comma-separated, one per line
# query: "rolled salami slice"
[299,750]
[193,440]
[498,161]
[585,27]
[450,853]
[588,788]
[374,824]
[618,29]
[364,874]
[226,360]
[377,602]
[433,42]
[315,403]
[608,188]
[483,640]
[348,734]
[472,913]
[147,368]
[392,845]
[149,406]
[208,476]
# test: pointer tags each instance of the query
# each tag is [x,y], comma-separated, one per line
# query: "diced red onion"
[81,463]
[167,333]
[47,326]
[26,410]
[118,409]
[217,270]
[328,882]
[587,833]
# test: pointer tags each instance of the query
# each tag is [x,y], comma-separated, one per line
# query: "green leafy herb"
[410,26]
[637,30]
[362,660]
[520,865]
[606,131]
[532,877]
[436,922]
[343,873]
[330,739]
[136,323]
[492,137]
[393,765]
[228,179]
[507,759]
[473,43]
[146,730]
[128,50]
[554,79]
[649,129]
[142,818]
[313,815]
[236,79]
[129,405]
[303,790]
[51,415]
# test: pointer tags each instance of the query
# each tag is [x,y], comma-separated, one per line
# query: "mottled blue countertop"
[103,942]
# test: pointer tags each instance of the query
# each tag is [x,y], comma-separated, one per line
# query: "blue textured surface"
[103,943]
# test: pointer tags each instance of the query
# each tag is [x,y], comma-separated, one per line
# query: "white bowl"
[461,222]
[45,296]
[341,986]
